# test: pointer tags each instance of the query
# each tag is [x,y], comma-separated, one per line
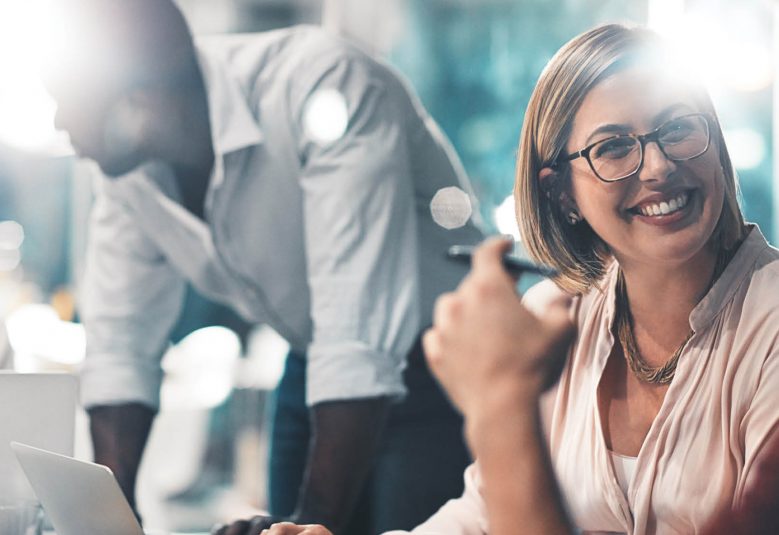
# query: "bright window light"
[506,218]
[28,30]
[664,15]
[721,46]
[747,147]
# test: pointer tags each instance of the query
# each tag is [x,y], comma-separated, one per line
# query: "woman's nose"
[656,165]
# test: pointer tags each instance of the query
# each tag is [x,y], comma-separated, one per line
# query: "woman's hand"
[486,348]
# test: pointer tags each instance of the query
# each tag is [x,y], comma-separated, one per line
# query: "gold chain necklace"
[660,375]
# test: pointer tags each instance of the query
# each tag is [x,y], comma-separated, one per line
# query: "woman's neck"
[661,297]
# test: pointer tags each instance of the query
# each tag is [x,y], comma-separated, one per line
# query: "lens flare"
[325,116]
[451,207]
[30,32]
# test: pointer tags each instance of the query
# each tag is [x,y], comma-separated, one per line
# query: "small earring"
[574,217]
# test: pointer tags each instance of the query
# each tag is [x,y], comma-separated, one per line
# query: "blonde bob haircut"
[576,251]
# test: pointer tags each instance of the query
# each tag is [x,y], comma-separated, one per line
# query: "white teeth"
[665,207]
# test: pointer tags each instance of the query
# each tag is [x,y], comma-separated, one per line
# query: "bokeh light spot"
[746,146]
[325,116]
[506,218]
[451,207]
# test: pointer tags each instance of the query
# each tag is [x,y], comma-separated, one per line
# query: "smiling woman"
[625,185]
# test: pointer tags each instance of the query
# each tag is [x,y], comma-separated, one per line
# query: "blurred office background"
[473,63]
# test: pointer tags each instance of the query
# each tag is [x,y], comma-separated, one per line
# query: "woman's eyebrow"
[610,128]
[617,128]
[668,112]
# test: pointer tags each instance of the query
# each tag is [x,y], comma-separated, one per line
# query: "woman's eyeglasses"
[621,156]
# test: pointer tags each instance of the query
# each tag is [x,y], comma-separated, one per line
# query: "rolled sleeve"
[361,245]
[111,378]
[130,299]
[352,370]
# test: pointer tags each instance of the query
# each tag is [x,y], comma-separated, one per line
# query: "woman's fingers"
[288,528]
[447,311]
[482,334]
[431,344]
[488,257]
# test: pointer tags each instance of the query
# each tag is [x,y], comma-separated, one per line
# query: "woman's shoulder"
[539,297]
[762,291]
[752,313]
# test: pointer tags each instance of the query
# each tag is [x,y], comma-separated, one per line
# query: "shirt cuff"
[352,371]
[111,380]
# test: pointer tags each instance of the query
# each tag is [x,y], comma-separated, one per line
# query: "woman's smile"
[665,209]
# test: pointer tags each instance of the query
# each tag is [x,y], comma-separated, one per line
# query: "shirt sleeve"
[130,299]
[465,515]
[360,234]
[760,423]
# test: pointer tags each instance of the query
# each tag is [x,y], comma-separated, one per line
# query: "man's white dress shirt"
[330,242]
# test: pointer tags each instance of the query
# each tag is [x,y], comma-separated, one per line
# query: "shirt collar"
[738,270]
[233,126]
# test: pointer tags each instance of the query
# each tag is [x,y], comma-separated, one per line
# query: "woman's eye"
[677,131]
[614,148]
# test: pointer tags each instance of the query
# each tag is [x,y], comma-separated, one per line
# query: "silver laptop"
[80,498]
[37,409]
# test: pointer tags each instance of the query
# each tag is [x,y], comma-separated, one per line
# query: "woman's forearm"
[520,488]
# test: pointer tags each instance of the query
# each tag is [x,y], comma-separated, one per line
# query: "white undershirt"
[624,467]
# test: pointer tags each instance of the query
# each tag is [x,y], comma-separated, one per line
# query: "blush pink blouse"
[718,413]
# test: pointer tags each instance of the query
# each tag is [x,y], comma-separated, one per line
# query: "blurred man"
[290,176]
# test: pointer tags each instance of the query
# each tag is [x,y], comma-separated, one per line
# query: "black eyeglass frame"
[642,139]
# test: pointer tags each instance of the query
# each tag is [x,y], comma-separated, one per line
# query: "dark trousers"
[420,462]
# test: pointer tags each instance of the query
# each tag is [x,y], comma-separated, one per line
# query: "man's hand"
[119,434]
[265,525]
[254,526]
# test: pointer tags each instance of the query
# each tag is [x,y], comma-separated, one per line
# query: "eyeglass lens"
[680,139]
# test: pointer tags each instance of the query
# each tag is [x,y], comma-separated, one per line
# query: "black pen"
[513,264]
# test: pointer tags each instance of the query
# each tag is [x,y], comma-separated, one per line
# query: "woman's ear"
[549,180]
[553,187]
